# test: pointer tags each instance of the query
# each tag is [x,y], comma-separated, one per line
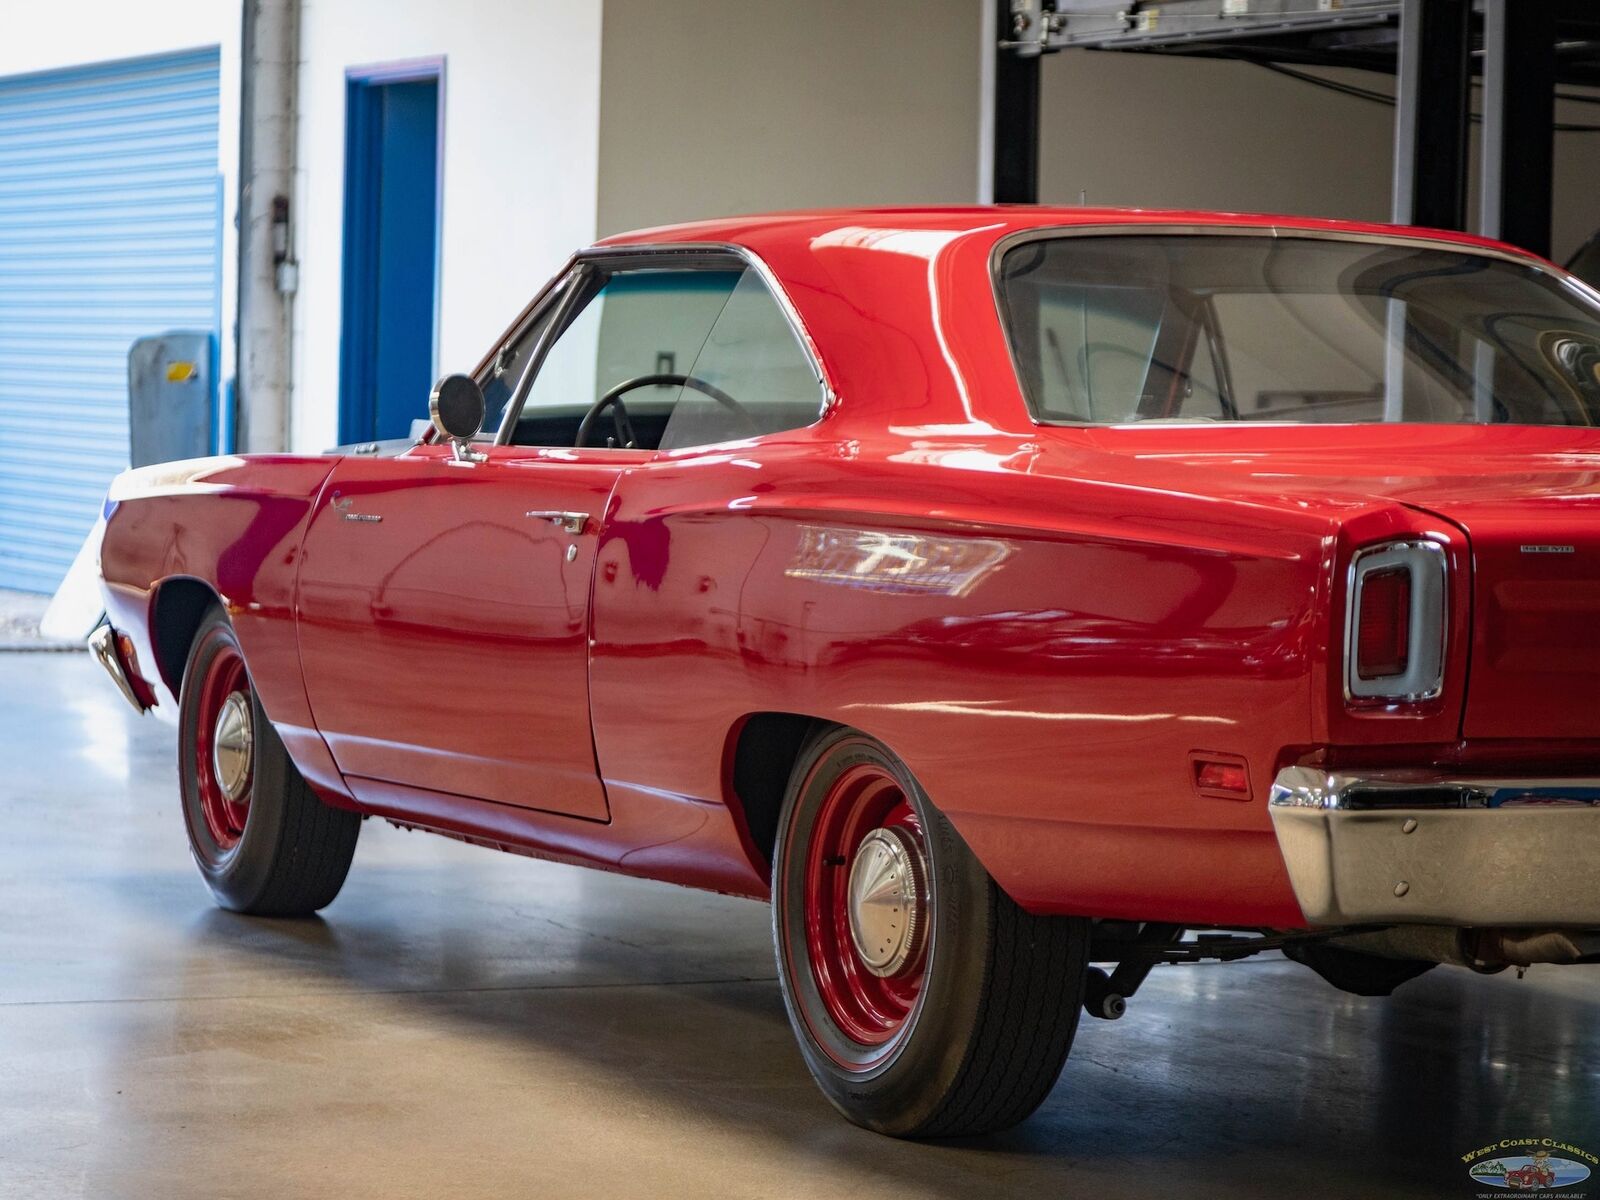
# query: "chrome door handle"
[572,522]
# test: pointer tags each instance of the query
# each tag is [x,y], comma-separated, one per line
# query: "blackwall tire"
[263,840]
[958,1027]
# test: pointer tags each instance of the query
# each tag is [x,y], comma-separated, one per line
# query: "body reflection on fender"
[459,606]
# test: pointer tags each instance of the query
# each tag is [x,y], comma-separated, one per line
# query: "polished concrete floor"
[467,1024]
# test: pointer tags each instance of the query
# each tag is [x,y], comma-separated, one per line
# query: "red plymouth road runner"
[1000,591]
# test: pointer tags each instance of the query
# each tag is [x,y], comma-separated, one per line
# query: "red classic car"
[1530,1177]
[1001,591]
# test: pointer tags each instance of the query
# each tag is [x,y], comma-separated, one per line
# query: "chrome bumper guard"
[103,645]
[1393,847]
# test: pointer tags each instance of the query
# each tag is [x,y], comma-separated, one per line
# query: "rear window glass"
[1254,328]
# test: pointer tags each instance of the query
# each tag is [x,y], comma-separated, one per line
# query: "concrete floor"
[466,1024]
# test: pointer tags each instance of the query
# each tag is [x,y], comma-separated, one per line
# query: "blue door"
[391,237]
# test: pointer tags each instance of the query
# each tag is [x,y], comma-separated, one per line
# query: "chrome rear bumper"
[1418,848]
[103,645]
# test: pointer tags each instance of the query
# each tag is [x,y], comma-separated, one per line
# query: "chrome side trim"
[1427,848]
[103,645]
[1423,678]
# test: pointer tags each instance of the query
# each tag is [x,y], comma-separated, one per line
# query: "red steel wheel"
[224,747]
[924,1001]
[264,841]
[866,903]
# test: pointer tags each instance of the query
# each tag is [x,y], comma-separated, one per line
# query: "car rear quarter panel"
[1044,651]
[236,526]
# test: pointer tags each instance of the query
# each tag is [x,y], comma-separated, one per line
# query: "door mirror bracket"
[456,408]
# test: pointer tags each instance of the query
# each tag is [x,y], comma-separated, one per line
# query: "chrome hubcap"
[231,746]
[886,900]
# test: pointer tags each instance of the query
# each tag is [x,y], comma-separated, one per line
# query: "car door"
[444,605]
[444,614]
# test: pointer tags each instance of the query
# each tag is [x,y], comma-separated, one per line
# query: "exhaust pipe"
[1485,950]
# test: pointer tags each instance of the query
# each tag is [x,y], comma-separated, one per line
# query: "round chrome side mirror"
[456,409]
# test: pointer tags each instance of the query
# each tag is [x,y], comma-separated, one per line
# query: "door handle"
[572,522]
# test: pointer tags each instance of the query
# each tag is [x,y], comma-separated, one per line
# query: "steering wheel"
[622,427]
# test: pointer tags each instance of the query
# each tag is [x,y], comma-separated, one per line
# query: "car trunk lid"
[1535,669]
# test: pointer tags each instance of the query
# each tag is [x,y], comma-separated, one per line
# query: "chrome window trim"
[1044,233]
[607,258]
[1423,678]
[560,306]
[550,293]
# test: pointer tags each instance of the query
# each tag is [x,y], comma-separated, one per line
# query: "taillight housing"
[1395,624]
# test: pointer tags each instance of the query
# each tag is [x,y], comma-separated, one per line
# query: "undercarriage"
[1364,960]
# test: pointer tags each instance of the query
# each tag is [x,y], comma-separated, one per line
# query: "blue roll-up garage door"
[109,231]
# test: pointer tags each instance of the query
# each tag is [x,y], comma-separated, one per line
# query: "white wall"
[1165,132]
[46,37]
[521,96]
[711,107]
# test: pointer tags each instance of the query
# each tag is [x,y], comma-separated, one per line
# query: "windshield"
[1255,328]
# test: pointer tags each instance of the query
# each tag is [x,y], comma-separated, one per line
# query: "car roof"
[1001,220]
[898,307]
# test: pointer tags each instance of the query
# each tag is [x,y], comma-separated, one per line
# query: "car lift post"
[1432,113]
[1519,113]
[1015,133]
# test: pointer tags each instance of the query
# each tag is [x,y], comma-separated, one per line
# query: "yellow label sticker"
[181,372]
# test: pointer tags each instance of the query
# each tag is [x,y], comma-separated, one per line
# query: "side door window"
[751,377]
[504,373]
[627,325]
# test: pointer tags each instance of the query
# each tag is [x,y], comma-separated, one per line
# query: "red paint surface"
[443,632]
[1093,608]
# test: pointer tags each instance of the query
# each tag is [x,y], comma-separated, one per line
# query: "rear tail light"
[1395,627]
[1383,632]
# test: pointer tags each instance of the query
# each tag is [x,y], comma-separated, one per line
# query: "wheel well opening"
[180,603]
[763,759]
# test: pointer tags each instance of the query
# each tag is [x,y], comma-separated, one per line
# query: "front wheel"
[926,1003]
[265,843]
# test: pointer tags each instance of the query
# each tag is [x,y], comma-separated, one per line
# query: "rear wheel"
[926,1003]
[264,842]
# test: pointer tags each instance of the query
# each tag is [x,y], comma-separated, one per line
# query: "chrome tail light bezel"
[1423,678]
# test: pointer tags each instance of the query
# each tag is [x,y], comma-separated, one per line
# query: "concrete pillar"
[268,109]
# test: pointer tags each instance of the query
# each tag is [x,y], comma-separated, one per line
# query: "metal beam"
[1431,116]
[1016,116]
[1519,110]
